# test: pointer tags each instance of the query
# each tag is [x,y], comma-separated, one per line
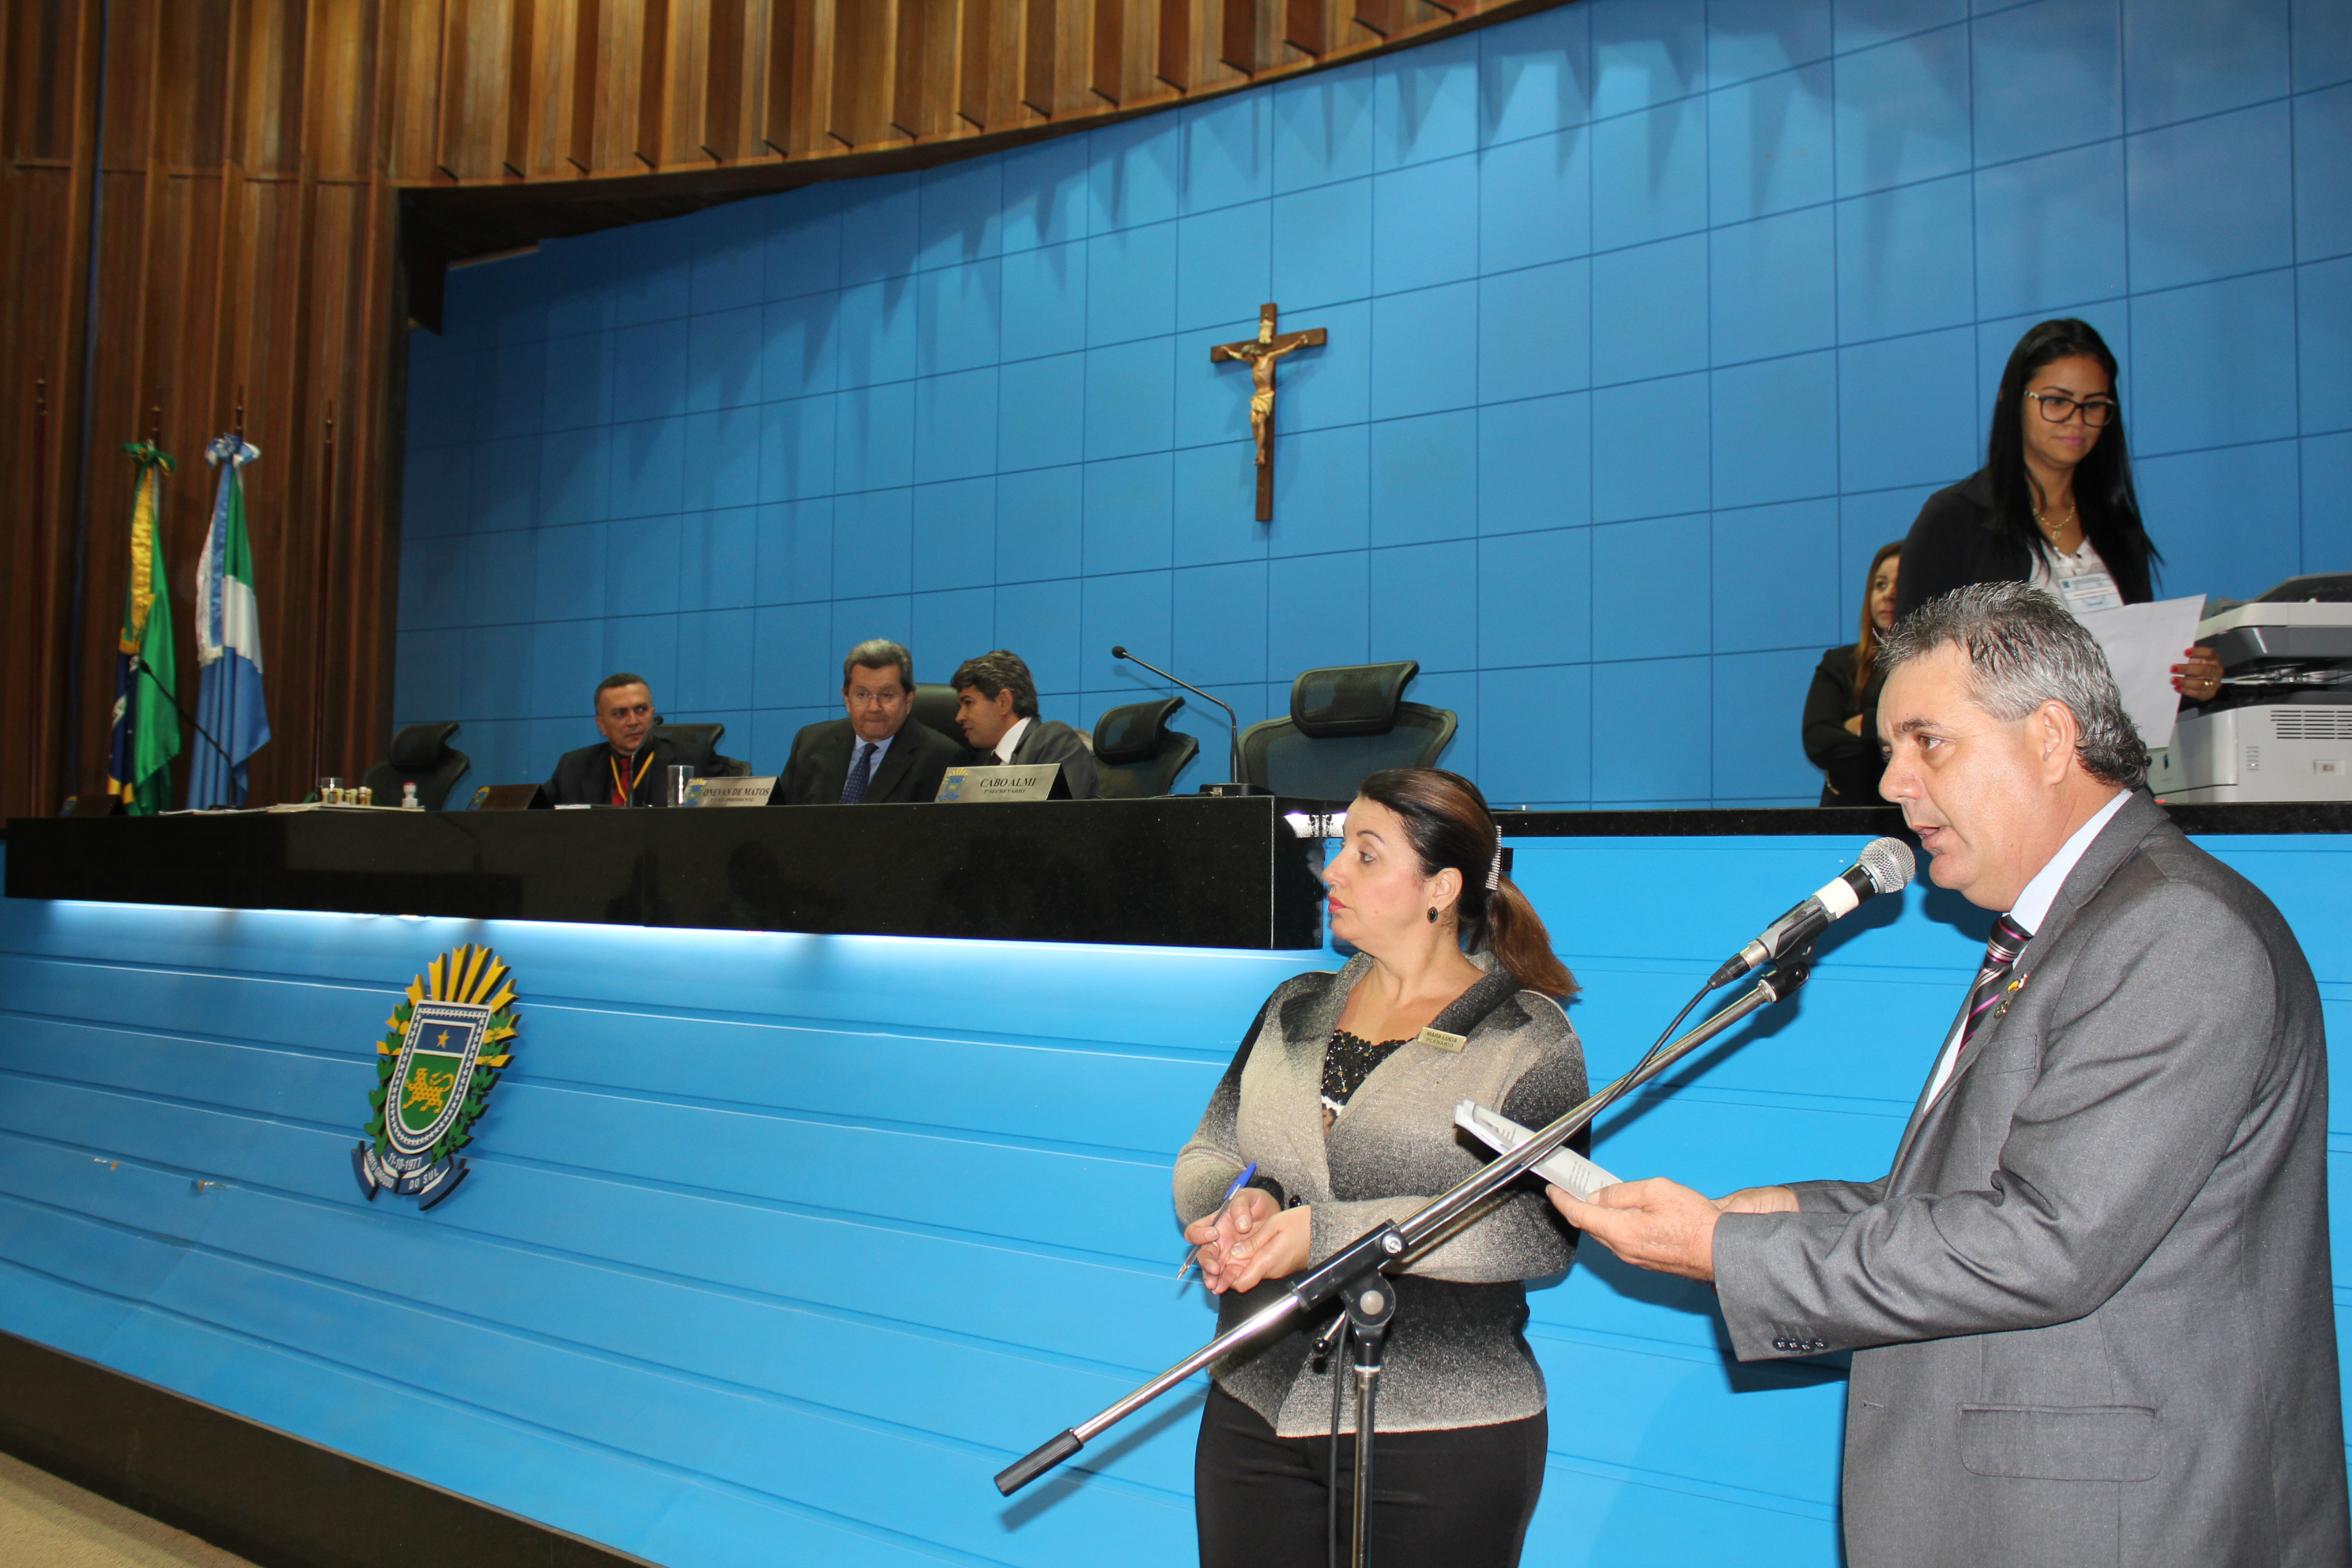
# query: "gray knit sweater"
[1457,1355]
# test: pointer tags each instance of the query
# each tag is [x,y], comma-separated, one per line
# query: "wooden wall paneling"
[976,77]
[916,40]
[1040,34]
[1305,26]
[46,182]
[651,146]
[524,56]
[1237,35]
[1377,16]
[862,57]
[824,17]
[577,134]
[724,95]
[412,143]
[786,108]
[1107,54]
[1174,64]
[619,36]
[685,79]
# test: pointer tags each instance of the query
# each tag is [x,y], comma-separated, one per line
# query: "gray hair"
[2023,649]
[879,653]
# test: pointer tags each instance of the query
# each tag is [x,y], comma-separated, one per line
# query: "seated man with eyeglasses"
[879,754]
[2053,504]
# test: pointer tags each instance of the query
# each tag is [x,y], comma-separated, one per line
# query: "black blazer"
[910,769]
[584,777]
[1957,540]
[1051,740]
[1851,762]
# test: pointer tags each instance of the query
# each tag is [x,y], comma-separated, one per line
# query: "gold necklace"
[2054,535]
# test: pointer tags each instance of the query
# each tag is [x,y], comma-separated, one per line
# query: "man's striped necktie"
[2009,939]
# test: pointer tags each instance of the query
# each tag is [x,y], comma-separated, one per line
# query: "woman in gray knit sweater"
[1343,1094]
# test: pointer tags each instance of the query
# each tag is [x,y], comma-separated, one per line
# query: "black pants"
[1461,1498]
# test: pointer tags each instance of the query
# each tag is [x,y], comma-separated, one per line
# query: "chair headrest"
[1350,699]
[935,707]
[1136,733]
[696,745]
[419,748]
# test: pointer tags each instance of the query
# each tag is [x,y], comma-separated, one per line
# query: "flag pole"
[319,607]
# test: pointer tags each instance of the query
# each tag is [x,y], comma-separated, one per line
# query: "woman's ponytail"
[1515,933]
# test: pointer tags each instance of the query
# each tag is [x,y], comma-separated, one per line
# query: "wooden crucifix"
[1261,352]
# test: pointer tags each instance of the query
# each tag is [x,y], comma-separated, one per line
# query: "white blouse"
[2080,579]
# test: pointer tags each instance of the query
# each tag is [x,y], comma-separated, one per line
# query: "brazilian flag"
[146,725]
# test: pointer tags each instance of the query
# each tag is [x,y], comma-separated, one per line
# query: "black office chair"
[421,755]
[1135,753]
[697,747]
[1344,723]
[935,707]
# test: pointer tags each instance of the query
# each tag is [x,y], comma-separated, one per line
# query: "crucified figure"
[1261,354]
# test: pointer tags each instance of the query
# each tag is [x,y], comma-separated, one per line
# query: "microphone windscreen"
[1888,864]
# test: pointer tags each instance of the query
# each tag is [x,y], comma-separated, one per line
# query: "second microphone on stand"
[1226,786]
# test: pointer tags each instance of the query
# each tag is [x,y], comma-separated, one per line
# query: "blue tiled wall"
[1650,319]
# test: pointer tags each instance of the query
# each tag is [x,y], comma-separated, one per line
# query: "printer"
[2281,727]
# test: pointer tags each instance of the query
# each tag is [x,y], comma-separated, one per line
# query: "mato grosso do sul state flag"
[146,725]
[228,639]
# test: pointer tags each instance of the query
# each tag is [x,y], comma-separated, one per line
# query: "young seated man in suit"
[630,766]
[877,753]
[996,705]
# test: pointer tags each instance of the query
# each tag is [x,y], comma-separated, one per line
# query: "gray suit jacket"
[1051,740]
[2090,1306]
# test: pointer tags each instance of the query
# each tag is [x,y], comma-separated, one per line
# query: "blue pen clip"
[1239,1183]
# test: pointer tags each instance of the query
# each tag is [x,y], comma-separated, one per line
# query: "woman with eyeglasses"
[2053,504]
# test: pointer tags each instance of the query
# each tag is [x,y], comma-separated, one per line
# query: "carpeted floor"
[45,1523]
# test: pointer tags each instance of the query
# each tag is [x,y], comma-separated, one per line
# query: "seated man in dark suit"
[877,753]
[996,705]
[630,766]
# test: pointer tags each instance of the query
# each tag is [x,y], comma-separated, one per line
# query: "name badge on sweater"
[1440,1040]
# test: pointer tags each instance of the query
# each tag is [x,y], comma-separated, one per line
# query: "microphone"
[1233,785]
[1885,866]
[139,665]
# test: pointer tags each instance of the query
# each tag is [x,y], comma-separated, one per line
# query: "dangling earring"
[1433,914]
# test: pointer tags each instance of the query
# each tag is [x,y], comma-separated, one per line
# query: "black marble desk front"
[1182,871]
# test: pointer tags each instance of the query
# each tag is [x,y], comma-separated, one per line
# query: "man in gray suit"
[2090,1305]
[996,706]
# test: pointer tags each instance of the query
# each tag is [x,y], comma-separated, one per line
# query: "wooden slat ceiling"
[275,187]
[554,117]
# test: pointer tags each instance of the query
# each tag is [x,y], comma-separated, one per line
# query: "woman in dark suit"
[1841,738]
[2053,504]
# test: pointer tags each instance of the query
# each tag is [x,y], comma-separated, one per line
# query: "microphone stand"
[1353,1272]
[140,664]
[1234,784]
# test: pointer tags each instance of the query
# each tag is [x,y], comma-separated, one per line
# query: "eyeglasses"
[2058,409]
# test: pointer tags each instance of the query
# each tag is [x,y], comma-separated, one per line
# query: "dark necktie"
[861,774]
[2009,939]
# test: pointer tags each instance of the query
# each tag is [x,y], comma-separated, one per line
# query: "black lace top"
[1348,1061]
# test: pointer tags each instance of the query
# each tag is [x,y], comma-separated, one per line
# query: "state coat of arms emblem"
[435,1069]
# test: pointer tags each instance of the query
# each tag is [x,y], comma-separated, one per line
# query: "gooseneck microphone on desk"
[1230,786]
[140,664]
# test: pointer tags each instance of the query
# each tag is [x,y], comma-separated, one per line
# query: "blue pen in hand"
[1239,1183]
